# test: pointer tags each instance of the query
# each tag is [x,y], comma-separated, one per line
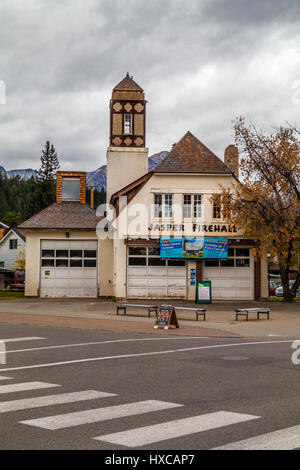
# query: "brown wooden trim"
[257,279]
[141,241]
[199,270]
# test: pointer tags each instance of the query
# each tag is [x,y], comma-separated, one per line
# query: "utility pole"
[92,187]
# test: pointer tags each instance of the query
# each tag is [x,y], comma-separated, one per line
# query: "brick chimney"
[231,159]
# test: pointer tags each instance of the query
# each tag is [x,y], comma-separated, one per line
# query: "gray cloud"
[201,64]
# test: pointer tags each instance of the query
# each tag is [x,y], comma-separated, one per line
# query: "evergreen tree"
[44,194]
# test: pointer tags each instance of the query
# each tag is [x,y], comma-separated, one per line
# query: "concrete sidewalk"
[284,321]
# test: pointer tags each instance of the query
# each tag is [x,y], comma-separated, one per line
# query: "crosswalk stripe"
[4,378]
[22,387]
[99,414]
[37,402]
[285,439]
[26,338]
[171,429]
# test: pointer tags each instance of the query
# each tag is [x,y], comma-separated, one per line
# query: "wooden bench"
[198,311]
[245,312]
[151,308]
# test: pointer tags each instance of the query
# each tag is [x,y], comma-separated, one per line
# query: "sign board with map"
[203,292]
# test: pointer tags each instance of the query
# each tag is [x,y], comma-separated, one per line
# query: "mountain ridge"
[97,178]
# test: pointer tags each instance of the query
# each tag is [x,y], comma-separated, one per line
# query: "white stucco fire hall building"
[66,256]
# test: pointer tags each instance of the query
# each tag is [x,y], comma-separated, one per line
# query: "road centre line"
[154,353]
[27,338]
[72,345]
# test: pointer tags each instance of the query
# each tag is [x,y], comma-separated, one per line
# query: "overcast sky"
[201,63]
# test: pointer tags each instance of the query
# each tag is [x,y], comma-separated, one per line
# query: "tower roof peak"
[127,84]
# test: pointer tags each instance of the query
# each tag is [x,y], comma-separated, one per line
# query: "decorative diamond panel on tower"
[138,141]
[117,141]
[117,107]
[139,107]
[128,107]
[128,141]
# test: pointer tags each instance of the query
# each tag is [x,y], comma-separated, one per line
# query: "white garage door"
[68,268]
[149,276]
[232,278]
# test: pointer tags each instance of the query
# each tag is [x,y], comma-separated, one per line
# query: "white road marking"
[27,338]
[154,353]
[37,402]
[22,387]
[285,439]
[5,378]
[99,414]
[177,428]
[73,345]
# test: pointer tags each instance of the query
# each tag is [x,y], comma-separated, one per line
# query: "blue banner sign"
[215,247]
[171,247]
[200,247]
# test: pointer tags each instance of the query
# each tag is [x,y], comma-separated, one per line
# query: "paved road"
[67,388]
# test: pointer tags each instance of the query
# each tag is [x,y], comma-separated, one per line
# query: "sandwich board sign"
[203,292]
[166,317]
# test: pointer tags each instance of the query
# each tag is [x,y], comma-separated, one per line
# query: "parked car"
[279,290]
[273,286]
[14,280]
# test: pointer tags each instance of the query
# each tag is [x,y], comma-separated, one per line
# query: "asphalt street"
[68,388]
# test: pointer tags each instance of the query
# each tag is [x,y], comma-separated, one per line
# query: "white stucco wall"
[33,240]
[124,165]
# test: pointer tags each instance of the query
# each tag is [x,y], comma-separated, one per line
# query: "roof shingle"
[190,155]
[63,216]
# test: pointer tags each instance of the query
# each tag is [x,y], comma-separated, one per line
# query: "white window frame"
[128,124]
[164,210]
[193,210]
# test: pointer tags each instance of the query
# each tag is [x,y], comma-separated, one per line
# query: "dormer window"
[128,124]
[71,189]
[71,186]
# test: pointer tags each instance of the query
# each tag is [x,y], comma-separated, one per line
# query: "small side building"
[11,245]
[62,255]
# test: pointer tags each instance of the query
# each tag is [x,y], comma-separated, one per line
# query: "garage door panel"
[153,281]
[69,281]
[156,292]
[230,282]
[137,271]
[89,273]
[137,292]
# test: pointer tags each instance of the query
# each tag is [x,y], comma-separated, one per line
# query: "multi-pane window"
[216,211]
[187,206]
[197,205]
[192,205]
[163,205]
[237,257]
[149,256]
[128,124]
[13,244]
[69,258]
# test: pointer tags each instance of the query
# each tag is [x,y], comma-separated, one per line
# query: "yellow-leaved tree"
[266,201]
[20,261]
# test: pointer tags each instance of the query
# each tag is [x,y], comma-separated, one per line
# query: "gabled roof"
[69,215]
[131,189]
[190,155]
[127,84]
[3,225]
[16,232]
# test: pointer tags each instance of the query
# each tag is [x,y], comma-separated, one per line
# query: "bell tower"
[127,155]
